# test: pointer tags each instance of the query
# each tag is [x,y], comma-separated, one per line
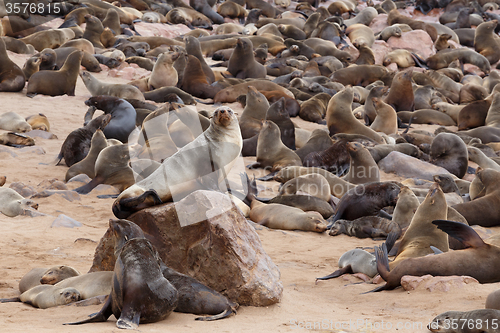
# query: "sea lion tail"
[460,232]
[226,313]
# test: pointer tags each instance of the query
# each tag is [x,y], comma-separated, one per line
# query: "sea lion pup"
[406,206]
[450,152]
[401,57]
[318,141]
[62,81]
[13,204]
[12,77]
[483,321]
[193,48]
[86,166]
[389,32]
[76,145]
[112,168]
[242,63]
[255,111]
[193,296]
[32,65]
[485,42]
[122,113]
[314,109]
[362,168]
[366,227]
[11,121]
[478,157]
[53,275]
[140,293]
[46,296]
[335,158]
[365,200]
[195,82]
[421,234]
[386,120]
[444,57]
[488,205]
[369,108]
[401,96]
[277,216]
[441,42]
[396,17]
[475,261]
[311,184]
[272,154]
[39,122]
[163,73]
[222,140]
[354,261]
[340,119]
[96,88]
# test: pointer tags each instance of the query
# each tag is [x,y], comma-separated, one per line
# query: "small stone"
[65,221]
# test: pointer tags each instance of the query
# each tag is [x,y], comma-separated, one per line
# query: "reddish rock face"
[206,236]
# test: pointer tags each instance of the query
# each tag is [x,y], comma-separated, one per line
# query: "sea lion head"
[223,116]
[134,199]
[123,231]
[441,324]
[316,222]
[69,295]
[58,273]
[338,228]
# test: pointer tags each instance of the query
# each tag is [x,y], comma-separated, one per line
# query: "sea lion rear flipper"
[382,266]
[107,196]
[8,300]
[384,214]
[461,232]
[100,316]
[268,177]
[85,189]
[254,165]
[419,61]
[391,239]
[226,313]
[345,270]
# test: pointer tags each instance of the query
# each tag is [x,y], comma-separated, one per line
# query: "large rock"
[409,167]
[205,236]
[417,41]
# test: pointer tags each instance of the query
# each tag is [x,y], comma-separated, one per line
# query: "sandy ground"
[335,305]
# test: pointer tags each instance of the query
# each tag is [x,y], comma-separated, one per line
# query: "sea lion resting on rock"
[213,152]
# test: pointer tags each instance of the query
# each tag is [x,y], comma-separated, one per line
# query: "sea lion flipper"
[8,300]
[129,318]
[345,270]
[85,189]
[461,232]
[391,239]
[384,214]
[101,316]
[382,266]
[226,313]
[268,177]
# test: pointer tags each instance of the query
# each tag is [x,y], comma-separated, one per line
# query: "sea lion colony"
[353,69]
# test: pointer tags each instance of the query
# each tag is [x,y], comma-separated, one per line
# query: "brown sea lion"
[87,165]
[195,82]
[32,65]
[318,141]
[39,122]
[314,109]
[254,113]
[336,158]
[163,73]
[190,163]
[406,207]
[444,57]
[46,296]
[242,63]
[425,116]
[93,30]
[12,77]
[362,75]
[56,83]
[365,227]
[401,96]
[386,120]
[96,88]
[230,94]
[485,42]
[493,300]
[488,204]
[362,169]
[340,119]
[396,17]
[193,48]
[450,152]
[473,261]
[53,275]
[311,184]
[51,38]
[11,121]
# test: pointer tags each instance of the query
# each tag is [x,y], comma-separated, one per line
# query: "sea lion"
[380,151]
[365,200]
[493,300]
[96,87]
[485,43]
[112,21]
[86,166]
[112,168]
[89,285]
[51,38]
[488,205]
[473,261]
[76,145]
[189,17]
[311,184]
[277,216]
[317,142]
[193,48]
[47,296]
[473,115]
[271,152]
[444,57]
[401,86]
[140,293]
[340,119]
[450,152]
[386,120]
[432,117]
[38,122]
[62,81]
[365,227]
[13,204]
[362,168]
[123,116]
[53,275]
[355,261]
[32,65]
[189,163]
[195,82]
[396,17]
[93,30]
[254,112]
[89,61]
[232,10]
[478,157]
[305,202]
[406,206]
[482,320]
[12,77]
[242,63]
[314,109]
[335,158]
[11,121]
[362,75]
[230,94]
[162,95]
